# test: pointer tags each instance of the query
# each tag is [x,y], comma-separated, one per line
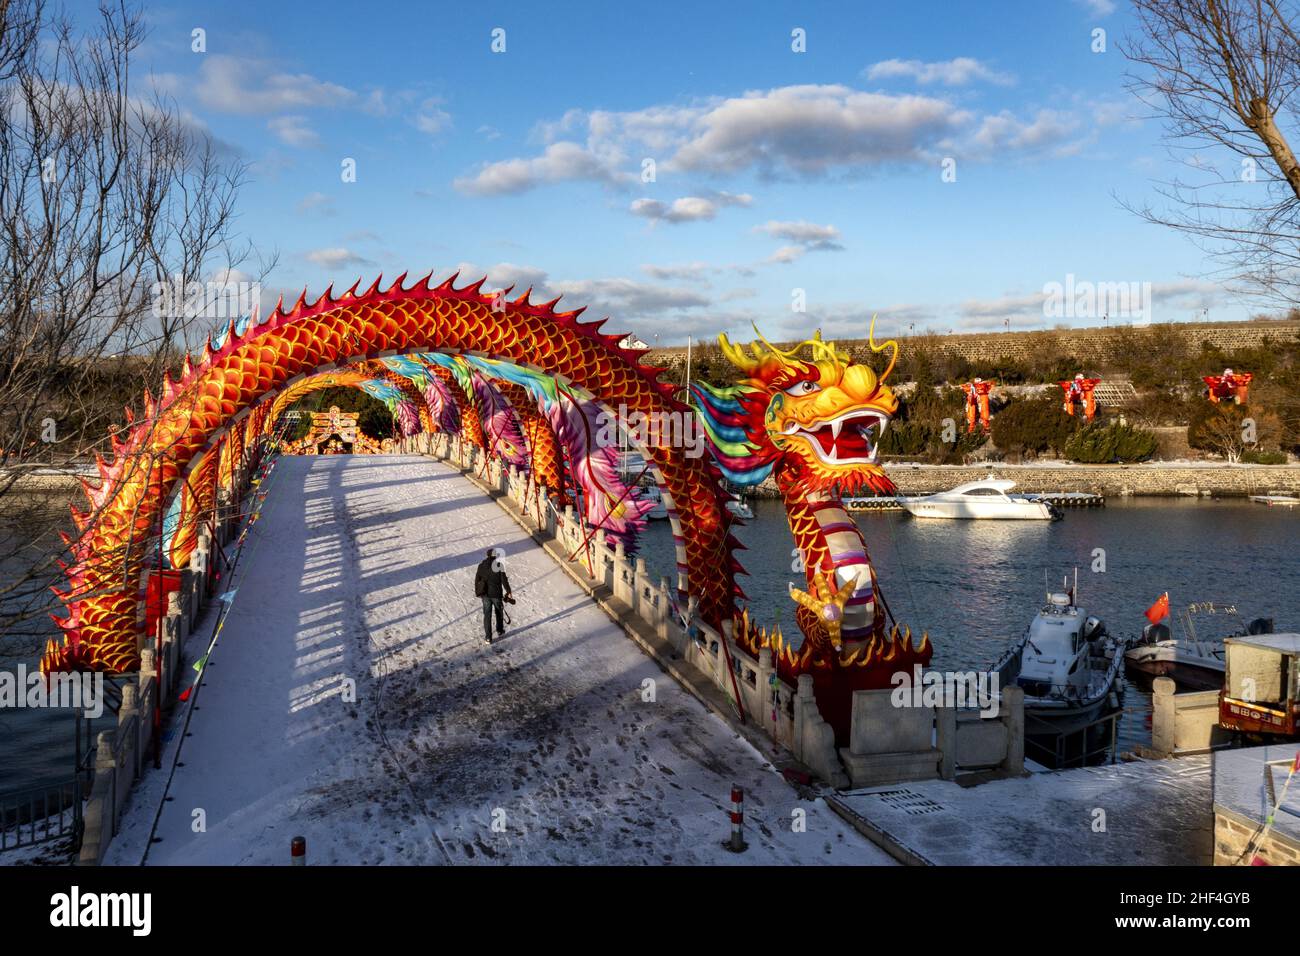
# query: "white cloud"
[337,257]
[687,271]
[810,130]
[955,72]
[317,202]
[786,254]
[1099,8]
[688,208]
[293,131]
[559,162]
[802,236]
[431,118]
[628,298]
[503,275]
[1004,133]
[806,131]
[244,85]
[808,234]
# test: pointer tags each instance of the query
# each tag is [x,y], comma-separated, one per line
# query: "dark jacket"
[489,583]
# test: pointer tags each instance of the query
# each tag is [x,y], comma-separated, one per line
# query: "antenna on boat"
[1074,595]
[1047,589]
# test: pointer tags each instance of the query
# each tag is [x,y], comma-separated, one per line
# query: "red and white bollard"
[737,843]
[298,851]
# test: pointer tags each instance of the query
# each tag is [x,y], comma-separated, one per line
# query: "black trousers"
[489,604]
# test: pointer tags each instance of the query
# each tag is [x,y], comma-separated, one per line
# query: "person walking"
[493,587]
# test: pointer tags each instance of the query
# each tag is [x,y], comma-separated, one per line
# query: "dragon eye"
[806,387]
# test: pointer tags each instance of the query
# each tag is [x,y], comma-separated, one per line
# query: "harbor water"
[974,585]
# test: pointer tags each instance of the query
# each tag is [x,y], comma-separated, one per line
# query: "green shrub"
[1100,443]
[1031,427]
[1264,457]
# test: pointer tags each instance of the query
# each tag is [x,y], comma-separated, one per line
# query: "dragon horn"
[770,347]
[871,340]
[737,355]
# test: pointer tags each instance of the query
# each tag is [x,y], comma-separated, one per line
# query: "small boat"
[739,508]
[1192,662]
[986,498]
[1069,669]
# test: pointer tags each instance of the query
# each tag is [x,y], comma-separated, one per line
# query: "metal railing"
[41,814]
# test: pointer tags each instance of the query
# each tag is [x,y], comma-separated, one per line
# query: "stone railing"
[124,753]
[645,608]
[894,744]
[1184,723]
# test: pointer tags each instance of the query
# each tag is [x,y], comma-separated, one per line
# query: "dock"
[1061,499]
[1142,812]
[1070,499]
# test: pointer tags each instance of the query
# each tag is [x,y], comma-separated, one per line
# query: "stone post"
[945,716]
[641,581]
[803,699]
[129,708]
[765,692]
[1164,716]
[1013,701]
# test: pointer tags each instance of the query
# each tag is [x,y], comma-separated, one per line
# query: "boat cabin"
[1261,693]
[1056,650]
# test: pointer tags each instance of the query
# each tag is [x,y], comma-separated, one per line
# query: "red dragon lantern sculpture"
[1233,385]
[1079,395]
[812,418]
[977,404]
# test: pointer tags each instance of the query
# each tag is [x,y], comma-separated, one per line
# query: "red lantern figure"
[1234,385]
[1079,392]
[977,403]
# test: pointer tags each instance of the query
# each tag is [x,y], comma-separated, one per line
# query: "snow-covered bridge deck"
[362,568]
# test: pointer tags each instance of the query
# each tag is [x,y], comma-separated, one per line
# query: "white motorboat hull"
[1168,659]
[1013,510]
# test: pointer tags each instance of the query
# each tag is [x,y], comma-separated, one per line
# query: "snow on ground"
[539,749]
[1148,812]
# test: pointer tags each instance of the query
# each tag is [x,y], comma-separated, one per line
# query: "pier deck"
[1156,812]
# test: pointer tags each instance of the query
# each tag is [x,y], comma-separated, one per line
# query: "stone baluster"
[129,708]
[640,584]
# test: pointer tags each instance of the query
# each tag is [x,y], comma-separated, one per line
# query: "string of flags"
[1258,842]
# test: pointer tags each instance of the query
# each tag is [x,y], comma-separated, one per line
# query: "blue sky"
[775,170]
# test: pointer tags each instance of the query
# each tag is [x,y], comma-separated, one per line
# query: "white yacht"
[651,493]
[986,498]
[739,508]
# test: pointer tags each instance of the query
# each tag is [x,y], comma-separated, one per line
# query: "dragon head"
[809,412]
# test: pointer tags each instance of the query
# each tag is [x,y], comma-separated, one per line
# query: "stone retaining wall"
[1111,480]
[1090,344]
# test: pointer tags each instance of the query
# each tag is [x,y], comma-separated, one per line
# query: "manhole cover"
[909,801]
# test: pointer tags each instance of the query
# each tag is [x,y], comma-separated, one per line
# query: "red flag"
[1160,610]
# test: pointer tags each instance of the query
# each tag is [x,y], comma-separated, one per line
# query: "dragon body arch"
[208,410]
